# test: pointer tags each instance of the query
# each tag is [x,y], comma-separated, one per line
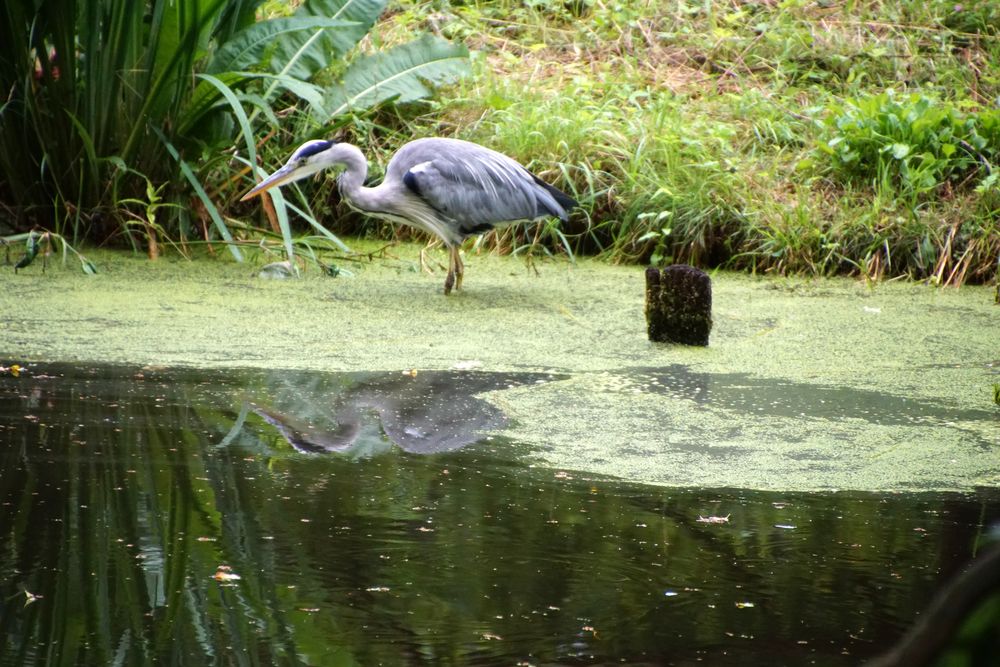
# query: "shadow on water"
[152,516]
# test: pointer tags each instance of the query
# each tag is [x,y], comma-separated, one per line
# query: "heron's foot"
[449,282]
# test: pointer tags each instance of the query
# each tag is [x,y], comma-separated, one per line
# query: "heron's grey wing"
[479,188]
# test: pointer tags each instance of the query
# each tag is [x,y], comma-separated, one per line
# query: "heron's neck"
[352,180]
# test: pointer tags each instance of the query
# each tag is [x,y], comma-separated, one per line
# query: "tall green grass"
[137,123]
[794,137]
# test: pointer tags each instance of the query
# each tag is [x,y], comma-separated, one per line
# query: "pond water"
[272,518]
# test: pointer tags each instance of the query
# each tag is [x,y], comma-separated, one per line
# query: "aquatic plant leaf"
[404,74]
[30,252]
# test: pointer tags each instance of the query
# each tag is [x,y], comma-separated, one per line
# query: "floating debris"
[714,519]
[278,271]
[225,573]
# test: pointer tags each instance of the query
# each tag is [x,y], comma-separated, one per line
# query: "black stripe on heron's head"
[311,148]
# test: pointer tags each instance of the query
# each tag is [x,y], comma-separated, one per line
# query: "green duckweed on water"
[807,384]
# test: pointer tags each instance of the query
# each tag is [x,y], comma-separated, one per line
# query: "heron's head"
[309,158]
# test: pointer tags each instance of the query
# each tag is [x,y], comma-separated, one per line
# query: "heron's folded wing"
[480,189]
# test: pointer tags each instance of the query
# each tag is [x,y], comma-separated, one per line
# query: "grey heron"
[450,188]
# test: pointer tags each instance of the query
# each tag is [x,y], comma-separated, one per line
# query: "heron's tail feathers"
[562,201]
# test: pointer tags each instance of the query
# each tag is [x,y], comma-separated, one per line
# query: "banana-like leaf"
[252,46]
[205,98]
[302,54]
[182,30]
[236,15]
[309,92]
[404,73]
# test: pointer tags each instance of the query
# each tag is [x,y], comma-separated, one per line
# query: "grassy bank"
[814,137]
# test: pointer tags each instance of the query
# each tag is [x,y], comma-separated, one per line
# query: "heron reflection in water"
[424,413]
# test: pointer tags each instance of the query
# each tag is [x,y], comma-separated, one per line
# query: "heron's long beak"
[283,175]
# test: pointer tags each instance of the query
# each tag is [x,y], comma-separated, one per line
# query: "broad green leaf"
[241,116]
[900,151]
[252,46]
[258,103]
[208,96]
[179,33]
[987,184]
[302,54]
[238,14]
[304,90]
[30,252]
[405,73]
[205,97]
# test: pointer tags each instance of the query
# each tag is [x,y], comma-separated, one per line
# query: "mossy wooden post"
[678,305]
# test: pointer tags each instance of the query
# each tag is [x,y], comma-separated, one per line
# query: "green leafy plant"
[40,241]
[911,142]
[111,102]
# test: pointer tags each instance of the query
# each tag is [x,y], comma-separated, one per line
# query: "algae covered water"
[300,518]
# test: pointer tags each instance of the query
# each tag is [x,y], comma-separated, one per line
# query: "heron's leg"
[459,268]
[449,280]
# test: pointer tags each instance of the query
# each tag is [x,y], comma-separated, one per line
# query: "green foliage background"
[117,111]
[856,137]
